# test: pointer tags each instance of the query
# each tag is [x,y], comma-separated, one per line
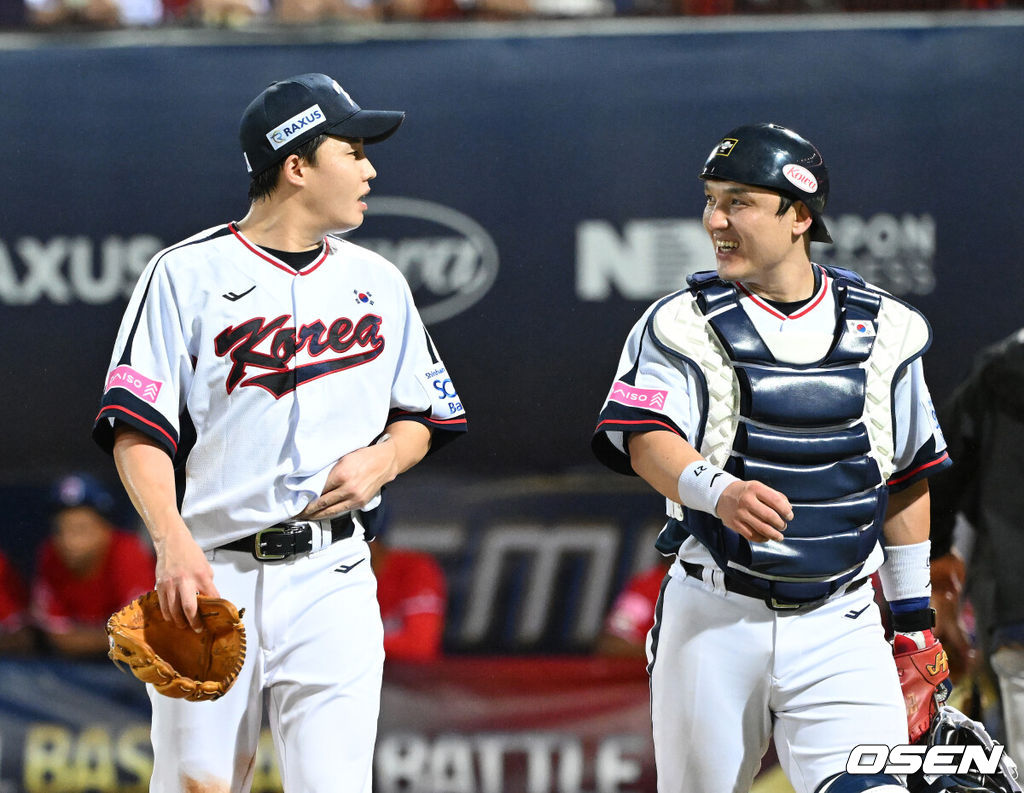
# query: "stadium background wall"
[541,194]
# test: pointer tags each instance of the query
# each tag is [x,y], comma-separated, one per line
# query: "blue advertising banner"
[472,725]
[541,194]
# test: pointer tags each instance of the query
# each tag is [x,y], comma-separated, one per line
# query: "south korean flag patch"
[860,328]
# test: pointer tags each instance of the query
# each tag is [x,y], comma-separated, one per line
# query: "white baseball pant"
[314,659]
[728,672]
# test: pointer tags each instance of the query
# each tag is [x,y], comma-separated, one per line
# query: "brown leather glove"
[179,662]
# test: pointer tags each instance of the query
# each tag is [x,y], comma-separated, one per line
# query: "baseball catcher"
[180,662]
[791,476]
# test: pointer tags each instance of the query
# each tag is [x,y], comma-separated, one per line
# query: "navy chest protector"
[813,432]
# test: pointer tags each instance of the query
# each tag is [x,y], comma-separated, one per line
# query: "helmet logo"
[800,177]
[724,149]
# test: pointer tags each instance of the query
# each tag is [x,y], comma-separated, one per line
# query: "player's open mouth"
[724,246]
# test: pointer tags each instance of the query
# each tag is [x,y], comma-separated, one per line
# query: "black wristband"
[909,621]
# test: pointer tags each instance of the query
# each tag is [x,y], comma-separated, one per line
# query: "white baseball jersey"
[261,377]
[280,373]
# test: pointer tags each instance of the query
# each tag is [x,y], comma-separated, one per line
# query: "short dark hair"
[785,202]
[264,183]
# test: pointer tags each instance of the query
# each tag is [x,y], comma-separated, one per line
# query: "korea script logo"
[279,345]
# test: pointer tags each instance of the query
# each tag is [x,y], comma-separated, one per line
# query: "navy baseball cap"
[81,490]
[289,112]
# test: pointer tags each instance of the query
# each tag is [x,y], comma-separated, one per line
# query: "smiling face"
[753,242]
[338,182]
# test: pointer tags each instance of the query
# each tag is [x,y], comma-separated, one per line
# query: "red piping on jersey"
[275,262]
[155,426]
[906,476]
[613,421]
[771,310]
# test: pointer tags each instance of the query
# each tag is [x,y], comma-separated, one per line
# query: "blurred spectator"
[677,7]
[983,422]
[302,12]
[15,633]
[86,570]
[413,596]
[632,615]
[399,10]
[215,13]
[94,13]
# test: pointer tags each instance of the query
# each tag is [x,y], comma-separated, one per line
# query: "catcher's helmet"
[767,155]
[953,728]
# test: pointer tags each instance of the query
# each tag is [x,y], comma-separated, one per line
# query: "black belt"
[739,586]
[288,539]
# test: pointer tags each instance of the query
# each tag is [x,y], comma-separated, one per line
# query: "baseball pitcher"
[287,373]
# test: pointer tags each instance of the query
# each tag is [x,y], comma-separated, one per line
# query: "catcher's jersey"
[260,377]
[654,390]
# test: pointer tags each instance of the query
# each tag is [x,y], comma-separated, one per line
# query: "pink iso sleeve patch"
[638,397]
[140,385]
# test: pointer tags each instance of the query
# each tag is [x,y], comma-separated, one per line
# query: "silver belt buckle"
[777,606]
[257,551]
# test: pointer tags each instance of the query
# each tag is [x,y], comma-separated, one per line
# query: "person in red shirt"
[15,631]
[412,594]
[86,570]
[632,615]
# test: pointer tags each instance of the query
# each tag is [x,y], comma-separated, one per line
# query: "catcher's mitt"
[179,662]
[924,678]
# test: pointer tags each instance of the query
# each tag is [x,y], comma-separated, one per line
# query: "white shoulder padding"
[903,335]
[679,326]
